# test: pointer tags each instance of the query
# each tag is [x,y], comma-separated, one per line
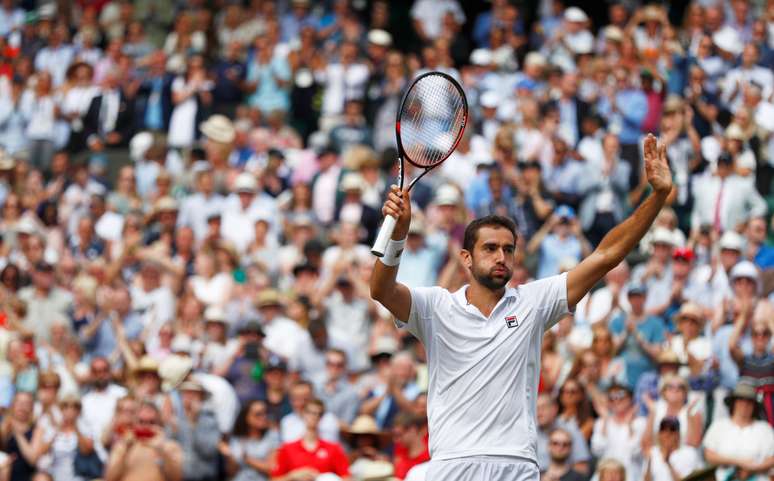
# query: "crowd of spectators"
[189,190]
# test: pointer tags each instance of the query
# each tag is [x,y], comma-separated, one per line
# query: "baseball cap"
[276,363]
[636,288]
[565,212]
[731,240]
[683,254]
[662,235]
[575,14]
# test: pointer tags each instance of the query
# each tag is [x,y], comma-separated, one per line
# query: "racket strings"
[432,120]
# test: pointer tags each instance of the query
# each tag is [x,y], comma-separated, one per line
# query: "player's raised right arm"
[384,289]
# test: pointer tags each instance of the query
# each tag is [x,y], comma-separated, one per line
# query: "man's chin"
[494,282]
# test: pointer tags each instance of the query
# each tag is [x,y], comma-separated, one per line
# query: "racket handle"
[385,232]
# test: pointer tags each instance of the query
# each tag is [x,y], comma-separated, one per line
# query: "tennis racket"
[429,125]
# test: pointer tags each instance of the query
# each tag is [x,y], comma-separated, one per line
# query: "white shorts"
[483,468]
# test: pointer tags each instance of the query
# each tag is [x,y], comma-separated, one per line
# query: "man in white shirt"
[200,205]
[749,71]
[483,342]
[99,404]
[242,209]
[57,56]
[292,426]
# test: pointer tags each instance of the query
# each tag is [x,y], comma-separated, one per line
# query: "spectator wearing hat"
[241,364]
[619,430]
[46,301]
[145,451]
[647,389]
[741,445]
[756,368]
[196,429]
[147,381]
[669,459]
[151,297]
[366,443]
[638,336]
[283,336]
[547,422]
[738,313]
[274,385]
[717,280]
[558,239]
[310,455]
[249,451]
[691,347]
[242,209]
[656,273]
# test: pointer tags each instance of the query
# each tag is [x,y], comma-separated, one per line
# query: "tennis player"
[483,341]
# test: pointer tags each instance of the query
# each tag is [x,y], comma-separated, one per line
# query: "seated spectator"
[310,455]
[366,444]
[618,431]
[757,368]
[547,421]
[60,443]
[673,402]
[292,426]
[559,239]
[669,459]
[575,407]
[610,470]
[741,445]
[337,392]
[249,452]
[560,449]
[411,445]
[144,451]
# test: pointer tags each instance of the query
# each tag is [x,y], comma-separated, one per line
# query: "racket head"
[431,119]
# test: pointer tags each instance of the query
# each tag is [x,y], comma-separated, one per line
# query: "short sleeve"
[423,299]
[549,296]
[340,461]
[282,465]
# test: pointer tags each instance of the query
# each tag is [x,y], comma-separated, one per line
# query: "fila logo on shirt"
[511,321]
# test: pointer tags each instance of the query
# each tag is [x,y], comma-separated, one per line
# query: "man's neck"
[310,439]
[483,298]
[416,448]
[559,468]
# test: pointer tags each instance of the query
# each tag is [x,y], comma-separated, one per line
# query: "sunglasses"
[617,395]
[563,444]
[761,333]
[670,428]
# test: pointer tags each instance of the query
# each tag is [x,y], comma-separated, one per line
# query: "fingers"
[649,148]
[396,203]
[662,152]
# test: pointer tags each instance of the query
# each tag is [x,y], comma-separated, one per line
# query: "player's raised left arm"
[624,237]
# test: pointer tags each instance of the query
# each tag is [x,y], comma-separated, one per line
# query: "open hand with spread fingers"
[657,165]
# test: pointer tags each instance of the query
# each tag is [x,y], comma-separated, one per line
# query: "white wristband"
[392,253]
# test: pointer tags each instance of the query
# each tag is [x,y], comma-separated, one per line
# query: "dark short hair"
[471,231]
[406,419]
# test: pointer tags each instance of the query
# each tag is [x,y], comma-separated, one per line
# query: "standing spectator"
[343,80]
[46,302]
[39,109]
[310,455]
[65,440]
[16,433]
[559,241]
[756,368]
[268,78]
[292,426]
[192,97]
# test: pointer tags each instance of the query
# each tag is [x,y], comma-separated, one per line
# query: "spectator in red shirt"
[310,456]
[410,442]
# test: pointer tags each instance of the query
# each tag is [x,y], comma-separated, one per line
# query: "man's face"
[335,365]
[493,257]
[312,415]
[100,374]
[619,400]
[560,447]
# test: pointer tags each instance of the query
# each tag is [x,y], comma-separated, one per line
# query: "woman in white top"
[741,444]
[40,111]
[673,403]
[190,92]
[210,287]
[74,99]
[60,444]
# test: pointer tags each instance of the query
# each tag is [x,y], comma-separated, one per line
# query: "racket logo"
[511,322]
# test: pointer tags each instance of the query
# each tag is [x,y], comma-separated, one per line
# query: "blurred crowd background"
[189,190]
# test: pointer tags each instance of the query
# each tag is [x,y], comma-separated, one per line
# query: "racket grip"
[385,232]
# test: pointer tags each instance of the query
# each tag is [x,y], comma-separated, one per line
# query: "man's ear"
[467,258]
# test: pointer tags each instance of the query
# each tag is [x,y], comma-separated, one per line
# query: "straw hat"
[7,162]
[173,370]
[364,425]
[268,298]
[745,390]
[218,128]
[369,470]
[194,386]
[147,364]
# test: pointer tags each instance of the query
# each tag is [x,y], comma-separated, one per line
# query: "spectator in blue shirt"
[268,78]
[559,241]
[637,336]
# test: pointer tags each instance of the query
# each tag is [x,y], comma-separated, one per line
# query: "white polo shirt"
[484,372]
